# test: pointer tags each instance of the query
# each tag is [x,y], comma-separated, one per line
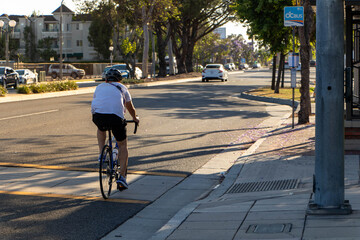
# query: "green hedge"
[48,87]
[3,91]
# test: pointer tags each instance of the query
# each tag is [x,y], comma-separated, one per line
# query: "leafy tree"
[205,49]
[265,21]
[45,49]
[163,10]
[196,19]
[13,46]
[31,52]
[100,31]
[118,22]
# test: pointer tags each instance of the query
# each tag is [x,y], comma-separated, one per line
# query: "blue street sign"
[293,16]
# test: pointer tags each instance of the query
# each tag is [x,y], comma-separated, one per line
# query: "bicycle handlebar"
[136,124]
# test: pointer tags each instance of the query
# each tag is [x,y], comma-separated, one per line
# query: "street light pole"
[111,49]
[61,43]
[7,29]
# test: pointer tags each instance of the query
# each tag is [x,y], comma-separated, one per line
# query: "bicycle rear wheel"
[105,172]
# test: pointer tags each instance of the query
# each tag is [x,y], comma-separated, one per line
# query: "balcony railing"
[50,30]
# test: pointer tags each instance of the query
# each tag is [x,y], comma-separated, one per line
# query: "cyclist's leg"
[102,123]
[101,137]
[123,157]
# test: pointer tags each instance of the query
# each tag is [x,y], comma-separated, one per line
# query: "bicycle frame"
[111,171]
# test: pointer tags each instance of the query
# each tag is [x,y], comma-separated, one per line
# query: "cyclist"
[108,106]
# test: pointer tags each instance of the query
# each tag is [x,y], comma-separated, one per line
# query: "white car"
[138,73]
[214,71]
[27,76]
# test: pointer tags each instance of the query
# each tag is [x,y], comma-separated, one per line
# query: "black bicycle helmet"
[113,75]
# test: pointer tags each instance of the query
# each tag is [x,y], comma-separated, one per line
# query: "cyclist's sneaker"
[122,184]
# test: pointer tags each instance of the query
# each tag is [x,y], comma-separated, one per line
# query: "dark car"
[125,73]
[312,63]
[9,77]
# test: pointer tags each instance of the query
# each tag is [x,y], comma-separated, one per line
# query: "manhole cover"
[269,228]
[264,186]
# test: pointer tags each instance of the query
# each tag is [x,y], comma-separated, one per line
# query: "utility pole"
[61,43]
[329,146]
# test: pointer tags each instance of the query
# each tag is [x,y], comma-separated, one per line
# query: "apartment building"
[75,31]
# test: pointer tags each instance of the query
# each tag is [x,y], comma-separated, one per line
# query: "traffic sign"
[293,59]
[293,16]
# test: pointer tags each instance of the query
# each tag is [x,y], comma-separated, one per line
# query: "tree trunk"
[277,86]
[161,42]
[305,51]
[189,58]
[273,73]
[145,56]
[283,74]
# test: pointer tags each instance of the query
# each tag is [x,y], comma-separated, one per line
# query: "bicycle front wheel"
[105,172]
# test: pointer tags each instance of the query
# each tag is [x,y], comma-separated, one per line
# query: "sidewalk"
[266,193]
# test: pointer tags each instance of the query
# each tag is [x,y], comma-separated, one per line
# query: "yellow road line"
[25,165]
[51,195]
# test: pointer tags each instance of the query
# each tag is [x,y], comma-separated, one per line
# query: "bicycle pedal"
[121,188]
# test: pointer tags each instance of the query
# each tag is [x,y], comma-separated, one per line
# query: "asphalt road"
[182,127]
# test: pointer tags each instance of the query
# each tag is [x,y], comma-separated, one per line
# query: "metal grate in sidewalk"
[264,186]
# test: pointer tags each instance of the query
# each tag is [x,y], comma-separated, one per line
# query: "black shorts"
[111,122]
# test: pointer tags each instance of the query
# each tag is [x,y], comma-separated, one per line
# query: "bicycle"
[108,170]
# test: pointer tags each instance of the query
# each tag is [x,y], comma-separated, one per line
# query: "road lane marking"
[26,165]
[28,115]
[51,195]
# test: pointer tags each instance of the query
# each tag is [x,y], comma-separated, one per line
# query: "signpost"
[293,17]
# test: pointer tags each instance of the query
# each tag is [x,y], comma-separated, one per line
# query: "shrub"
[24,89]
[48,87]
[132,81]
[3,91]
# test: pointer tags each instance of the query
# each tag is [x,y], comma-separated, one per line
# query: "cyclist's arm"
[132,111]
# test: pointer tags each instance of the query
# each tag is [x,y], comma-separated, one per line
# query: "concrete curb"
[288,102]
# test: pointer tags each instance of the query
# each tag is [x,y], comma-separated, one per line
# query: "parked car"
[198,68]
[228,67]
[243,66]
[27,76]
[138,73]
[9,77]
[312,63]
[67,70]
[286,65]
[256,65]
[233,66]
[125,72]
[214,71]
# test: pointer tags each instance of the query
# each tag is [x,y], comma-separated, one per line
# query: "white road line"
[30,114]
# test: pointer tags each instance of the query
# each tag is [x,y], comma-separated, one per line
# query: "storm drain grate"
[264,186]
[269,228]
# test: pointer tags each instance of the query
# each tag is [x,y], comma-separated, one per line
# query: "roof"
[49,18]
[64,9]
[82,17]
[12,17]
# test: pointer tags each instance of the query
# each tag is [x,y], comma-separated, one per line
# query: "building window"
[69,43]
[79,26]
[79,43]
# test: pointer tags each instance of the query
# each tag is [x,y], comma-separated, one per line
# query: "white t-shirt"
[109,100]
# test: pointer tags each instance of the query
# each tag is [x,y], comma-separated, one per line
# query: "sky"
[46,7]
